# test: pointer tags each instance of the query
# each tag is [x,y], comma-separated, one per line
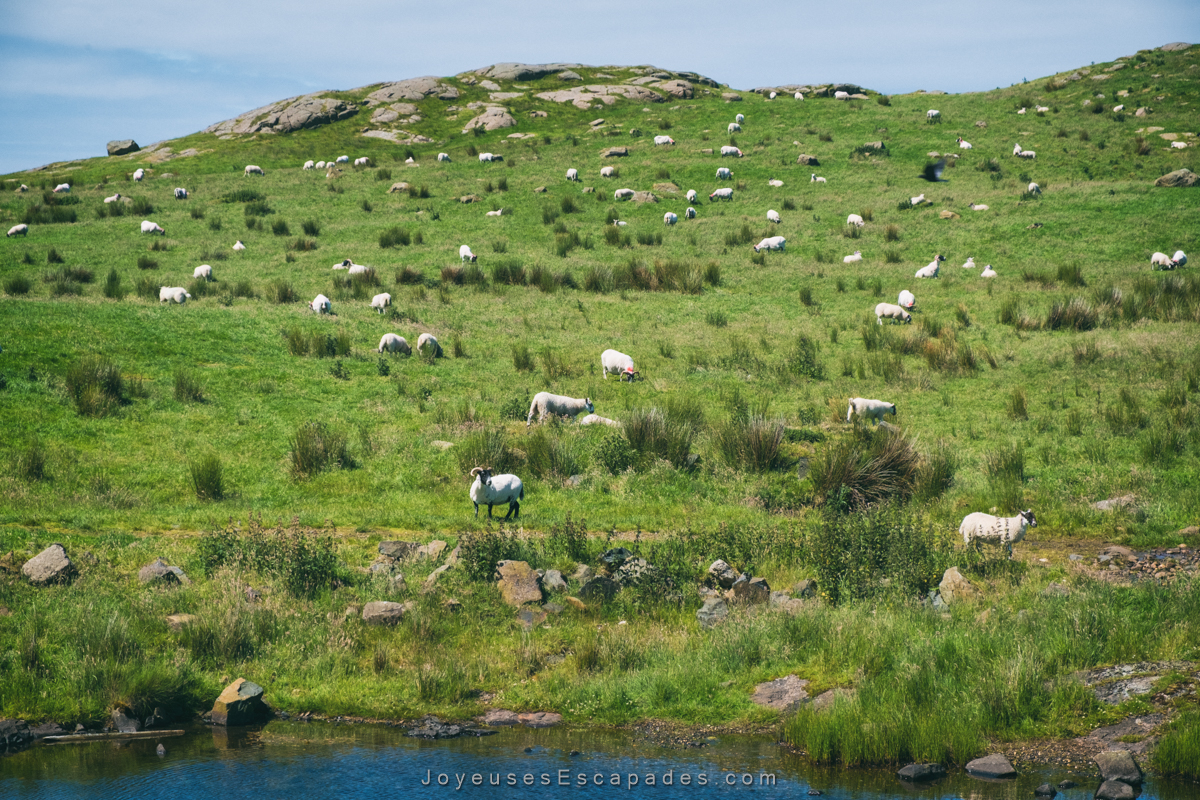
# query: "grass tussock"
[207,474]
[865,468]
[96,386]
[316,447]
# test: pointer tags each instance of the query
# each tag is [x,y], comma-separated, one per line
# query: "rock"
[398,550]
[519,583]
[751,591]
[470,198]
[499,716]
[677,88]
[451,604]
[615,557]
[531,618]
[157,572]
[14,734]
[1055,590]
[1141,112]
[540,190]
[1174,47]
[615,152]
[584,190]
[5,611]
[1113,503]
[576,603]
[782,694]
[993,766]
[1180,177]
[731,97]
[1119,765]
[120,147]
[493,118]
[583,97]
[644,197]
[955,588]
[157,717]
[808,160]
[511,71]
[434,728]
[240,704]
[431,580]
[46,729]
[179,575]
[712,612]
[1045,790]
[582,573]
[431,550]
[1068,784]
[805,588]
[49,566]
[553,608]
[780,599]
[721,574]
[399,187]
[874,145]
[946,214]
[826,699]
[633,572]
[569,75]
[178,622]
[540,719]
[383,612]
[553,581]
[980,124]
[454,556]
[285,116]
[596,122]
[1115,790]
[598,588]
[413,89]
[921,772]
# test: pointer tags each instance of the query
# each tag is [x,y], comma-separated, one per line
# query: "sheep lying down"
[545,403]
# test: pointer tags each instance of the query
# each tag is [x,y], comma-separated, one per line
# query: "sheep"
[730,150]
[1000,531]
[203,271]
[617,363]
[933,115]
[391,343]
[723,173]
[1179,259]
[443,157]
[492,490]
[816,179]
[358,269]
[931,269]
[852,258]
[180,193]
[721,194]
[735,128]
[18,230]
[906,299]
[988,272]
[774,182]
[173,294]
[1160,261]
[138,174]
[411,160]
[740,118]
[309,164]
[596,419]
[873,410]
[1022,111]
[344,264]
[1034,189]
[663,140]
[619,223]
[1019,153]
[963,144]
[113,199]
[151,227]
[891,312]
[63,188]
[573,175]
[690,213]
[321,305]
[771,243]
[916,201]
[499,212]
[1044,109]
[772,96]
[238,245]
[977,207]
[1179,145]
[545,403]
[320,165]
[670,218]
[799,96]
[623,194]
[365,161]
[608,172]
[855,220]
[841,95]
[253,170]
[381,301]
[427,345]
[1118,109]
[772,215]
[486,157]
[691,195]
[343,159]
[465,254]
[970,263]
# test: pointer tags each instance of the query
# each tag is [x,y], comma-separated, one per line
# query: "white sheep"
[344,264]
[63,188]
[691,195]
[608,172]
[969,263]
[891,312]
[816,179]
[734,127]
[251,169]
[138,174]
[770,243]
[18,230]
[1019,153]
[841,95]
[906,299]
[487,157]
[772,96]
[181,193]
[873,410]
[1118,109]
[443,156]
[1044,109]
[203,271]
[364,161]
[772,215]
[427,345]
[310,165]
[799,96]
[499,212]
[173,294]
[857,256]
[492,490]
[988,272]
[343,159]
[1161,261]
[381,301]
[392,343]
[545,403]
[977,207]
[411,160]
[113,199]
[1034,189]
[855,220]
[1021,111]
[721,194]
[320,165]
[358,269]
[1179,145]
[151,227]
[933,115]
[963,144]
[619,223]
[690,213]
[931,269]
[623,194]
[663,140]
[596,419]
[775,182]
[238,245]
[572,174]
[1179,259]
[730,150]
[320,304]
[670,218]
[916,201]
[617,363]
[465,254]
[1000,531]
[723,173]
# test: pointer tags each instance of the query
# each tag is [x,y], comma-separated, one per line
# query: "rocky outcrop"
[240,704]
[1119,765]
[493,118]
[160,573]
[599,587]
[807,160]
[721,574]
[782,694]
[682,90]
[121,147]
[413,90]
[14,734]
[584,96]
[398,550]
[519,583]
[285,116]
[751,591]
[955,588]
[509,71]
[49,566]
[1180,177]
[1174,47]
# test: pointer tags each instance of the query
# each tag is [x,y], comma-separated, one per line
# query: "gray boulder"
[158,572]
[120,147]
[432,579]
[805,588]
[921,772]
[431,550]
[599,588]
[782,694]
[1174,47]
[398,550]
[712,612]
[806,159]
[993,766]
[14,734]
[382,612]
[721,574]
[680,89]
[493,118]
[751,591]
[413,90]
[615,557]
[124,721]
[615,152]
[1115,790]
[241,703]
[500,716]
[49,566]
[633,572]
[569,75]
[553,581]
[731,97]
[285,116]
[519,583]
[510,71]
[1119,765]
[1045,790]
[954,588]
[1180,177]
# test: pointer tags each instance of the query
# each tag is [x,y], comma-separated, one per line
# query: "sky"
[75,74]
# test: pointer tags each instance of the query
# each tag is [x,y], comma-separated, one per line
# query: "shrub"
[408,275]
[52,257]
[41,214]
[569,206]
[207,477]
[383,174]
[522,358]
[311,228]
[112,286]
[300,244]
[1071,275]
[281,291]
[147,288]
[487,447]
[656,434]
[394,236]
[187,387]
[509,272]
[650,238]
[613,452]
[1078,314]
[741,237]
[453,274]
[257,208]
[717,319]
[17,285]
[751,442]
[865,468]
[803,359]
[550,453]
[95,386]
[315,447]
[712,273]
[936,473]
[303,558]
[30,462]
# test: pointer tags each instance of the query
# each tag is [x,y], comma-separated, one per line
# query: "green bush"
[17,285]
[95,385]
[750,442]
[865,468]
[207,477]
[112,286]
[613,452]
[316,447]
[303,558]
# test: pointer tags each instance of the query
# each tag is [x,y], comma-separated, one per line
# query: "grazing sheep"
[181,194]
[852,258]
[365,161]
[545,403]
[203,271]
[465,254]
[977,207]
[799,96]
[891,312]
[617,363]
[151,227]
[443,157]
[855,220]
[735,128]
[1161,261]
[608,172]
[238,245]
[670,218]
[63,188]
[492,490]
[427,344]
[931,270]
[499,212]
[18,230]
[691,195]
[916,201]
[320,304]
[113,199]
[343,159]
[721,194]
[391,343]
[253,170]
[619,223]
[173,294]
[138,174]
[690,213]
[873,410]
[772,215]
[772,97]
[723,173]
[841,95]
[770,243]
[963,144]
[1000,531]
[906,299]
[933,115]
[1019,153]
[1034,189]
[411,160]
[572,174]
[320,165]
[730,150]
[1118,109]
[596,419]
[623,194]
[969,263]
[1179,145]
[816,179]
[487,157]
[381,301]
[663,140]
[740,118]
[1179,259]
[309,164]
[988,272]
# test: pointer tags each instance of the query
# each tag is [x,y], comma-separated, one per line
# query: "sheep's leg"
[476,510]
[489,510]
[514,508]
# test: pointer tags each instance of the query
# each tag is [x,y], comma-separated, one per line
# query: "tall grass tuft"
[281,291]
[655,433]
[394,236]
[95,385]
[1017,405]
[207,477]
[17,285]
[316,447]
[487,447]
[552,453]
[522,358]
[30,461]
[188,388]
[1005,463]
[1178,752]
[113,289]
[750,442]
[865,468]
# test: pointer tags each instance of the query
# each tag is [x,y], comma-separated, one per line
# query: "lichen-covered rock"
[679,89]
[382,612]
[712,613]
[1115,790]
[1180,177]
[751,591]
[955,588]
[492,118]
[158,572]
[413,90]
[599,588]
[782,694]
[240,704]
[124,721]
[1119,765]
[583,96]
[511,71]
[49,566]
[805,158]
[285,116]
[121,147]
[519,583]
[722,574]
[553,581]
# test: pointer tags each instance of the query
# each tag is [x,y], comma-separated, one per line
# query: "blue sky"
[77,73]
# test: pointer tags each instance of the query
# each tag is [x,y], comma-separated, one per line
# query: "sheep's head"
[483,474]
[587,403]
[1028,516]
[893,411]
[629,374]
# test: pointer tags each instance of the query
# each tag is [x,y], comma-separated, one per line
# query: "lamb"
[740,118]
[730,150]
[443,157]
[734,127]
[988,272]
[931,270]
[1161,261]
[977,207]
[608,172]
[799,96]
[770,243]
[150,227]
[238,245]
[963,144]
[365,161]
[775,182]
[465,254]
[1022,111]
[691,195]
[181,194]
[1179,259]
[381,301]
[617,363]
[670,218]
[320,304]
[852,258]
[873,410]
[855,220]
[320,165]
[492,490]
[772,215]
[906,299]
[1034,189]
[1179,145]
[499,212]
[138,174]
[815,179]
[309,164]
[1000,531]
[772,96]
[573,175]
[690,213]
[891,312]
[721,194]
[1118,109]
[18,230]
[663,140]
[619,223]
[596,419]
[970,263]
[203,271]
[253,170]
[427,345]
[623,194]
[933,115]
[113,199]
[343,159]
[1044,109]
[487,157]
[1019,153]
[723,173]
[63,188]
[841,95]
[916,201]
[391,343]
[173,294]
[545,403]
[358,269]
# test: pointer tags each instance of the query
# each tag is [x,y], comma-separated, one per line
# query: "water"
[297,761]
